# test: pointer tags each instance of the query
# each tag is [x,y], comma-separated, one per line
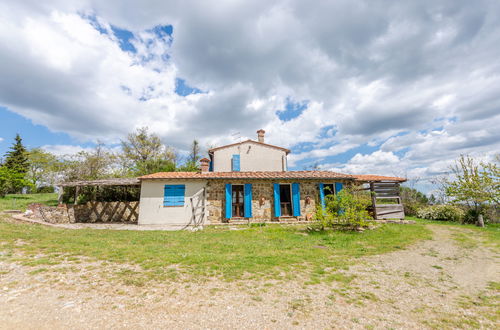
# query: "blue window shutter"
[248,200]
[229,201]
[173,195]
[277,200]
[211,165]
[296,199]
[322,195]
[236,163]
[338,187]
[179,194]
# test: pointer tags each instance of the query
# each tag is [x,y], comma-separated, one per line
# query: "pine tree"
[17,158]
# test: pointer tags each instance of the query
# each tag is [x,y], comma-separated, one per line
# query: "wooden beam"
[60,196]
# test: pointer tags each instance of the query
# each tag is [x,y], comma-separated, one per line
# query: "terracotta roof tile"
[371,177]
[248,175]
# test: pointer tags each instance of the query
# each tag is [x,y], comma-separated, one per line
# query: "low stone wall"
[50,214]
[91,212]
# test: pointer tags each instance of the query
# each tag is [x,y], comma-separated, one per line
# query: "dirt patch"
[436,283]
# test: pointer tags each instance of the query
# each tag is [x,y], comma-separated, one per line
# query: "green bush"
[348,208]
[444,212]
[45,190]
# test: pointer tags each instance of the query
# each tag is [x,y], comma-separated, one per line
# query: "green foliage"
[444,212]
[42,167]
[45,190]
[144,153]
[412,200]
[17,158]
[475,184]
[348,207]
[11,180]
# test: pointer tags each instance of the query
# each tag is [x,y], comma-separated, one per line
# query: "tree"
[191,164]
[194,155]
[475,185]
[96,164]
[42,167]
[11,180]
[144,153]
[17,158]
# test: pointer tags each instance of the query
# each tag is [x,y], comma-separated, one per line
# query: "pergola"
[116,182]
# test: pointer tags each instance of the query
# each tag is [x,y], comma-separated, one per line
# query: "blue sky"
[391,88]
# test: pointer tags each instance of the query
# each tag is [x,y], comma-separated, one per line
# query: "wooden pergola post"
[77,191]
[374,200]
[60,195]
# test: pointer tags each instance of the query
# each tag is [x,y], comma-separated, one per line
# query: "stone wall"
[262,200]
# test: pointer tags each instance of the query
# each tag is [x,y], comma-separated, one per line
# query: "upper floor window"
[236,163]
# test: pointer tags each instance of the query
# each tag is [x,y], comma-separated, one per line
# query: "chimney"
[205,165]
[260,135]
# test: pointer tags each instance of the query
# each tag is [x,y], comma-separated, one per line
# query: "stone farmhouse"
[248,182]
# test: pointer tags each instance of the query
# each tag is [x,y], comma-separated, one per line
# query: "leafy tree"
[11,180]
[412,200]
[476,184]
[144,153]
[17,158]
[42,167]
[96,164]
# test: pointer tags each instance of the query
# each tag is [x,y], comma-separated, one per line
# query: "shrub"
[45,189]
[490,214]
[444,212]
[347,208]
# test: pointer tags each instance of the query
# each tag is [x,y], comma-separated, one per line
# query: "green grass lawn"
[270,251]
[20,201]
[230,253]
[491,231]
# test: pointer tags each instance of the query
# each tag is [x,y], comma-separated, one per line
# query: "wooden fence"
[121,211]
[388,191]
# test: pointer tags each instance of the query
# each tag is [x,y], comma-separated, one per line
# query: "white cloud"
[419,79]
[64,150]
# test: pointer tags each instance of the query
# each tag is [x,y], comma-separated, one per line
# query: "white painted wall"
[151,209]
[253,157]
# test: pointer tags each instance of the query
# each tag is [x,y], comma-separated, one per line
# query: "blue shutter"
[211,165]
[179,195]
[277,200]
[296,199]
[167,195]
[229,202]
[236,163]
[173,195]
[338,187]
[248,200]
[322,195]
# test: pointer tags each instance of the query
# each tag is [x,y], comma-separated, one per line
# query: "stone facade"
[262,200]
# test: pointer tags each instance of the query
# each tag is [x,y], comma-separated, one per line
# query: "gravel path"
[440,283]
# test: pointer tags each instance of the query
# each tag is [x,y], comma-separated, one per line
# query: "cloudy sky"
[374,86]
